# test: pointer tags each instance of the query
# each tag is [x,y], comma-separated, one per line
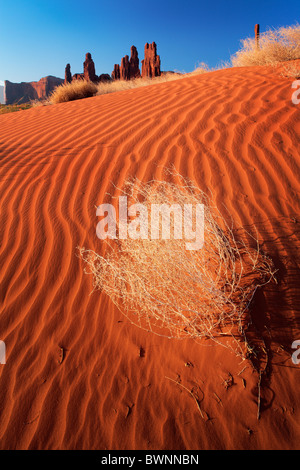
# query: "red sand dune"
[75,377]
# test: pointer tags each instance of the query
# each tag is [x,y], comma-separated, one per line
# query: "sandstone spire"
[68,75]
[151,62]
[89,68]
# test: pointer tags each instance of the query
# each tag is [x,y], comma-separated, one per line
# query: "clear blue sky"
[38,38]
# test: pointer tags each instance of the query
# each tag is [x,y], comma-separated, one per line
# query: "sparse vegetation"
[291,69]
[201,67]
[119,85]
[275,46]
[12,108]
[75,90]
[165,288]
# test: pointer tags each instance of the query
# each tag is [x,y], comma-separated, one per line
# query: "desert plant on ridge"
[79,89]
[120,85]
[75,90]
[10,108]
[164,288]
[291,70]
[275,45]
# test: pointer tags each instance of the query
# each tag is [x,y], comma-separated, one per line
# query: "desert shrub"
[11,108]
[277,45]
[164,288]
[200,68]
[75,90]
[40,103]
[120,85]
[290,70]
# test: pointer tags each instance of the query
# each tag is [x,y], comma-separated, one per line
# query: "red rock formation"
[78,76]
[89,72]
[116,72]
[129,67]
[89,68]
[68,75]
[256,31]
[104,77]
[134,69]
[27,91]
[151,62]
[125,68]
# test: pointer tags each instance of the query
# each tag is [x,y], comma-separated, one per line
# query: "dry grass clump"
[11,108]
[201,67]
[291,70]
[277,45]
[120,85]
[75,90]
[38,103]
[169,290]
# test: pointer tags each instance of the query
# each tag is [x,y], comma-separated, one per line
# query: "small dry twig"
[191,393]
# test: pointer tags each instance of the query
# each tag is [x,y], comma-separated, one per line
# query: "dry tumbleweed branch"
[165,288]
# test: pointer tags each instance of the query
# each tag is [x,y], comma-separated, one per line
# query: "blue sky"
[38,38]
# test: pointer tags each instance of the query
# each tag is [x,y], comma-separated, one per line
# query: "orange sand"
[236,133]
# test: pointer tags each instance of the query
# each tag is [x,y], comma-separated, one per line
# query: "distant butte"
[27,91]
